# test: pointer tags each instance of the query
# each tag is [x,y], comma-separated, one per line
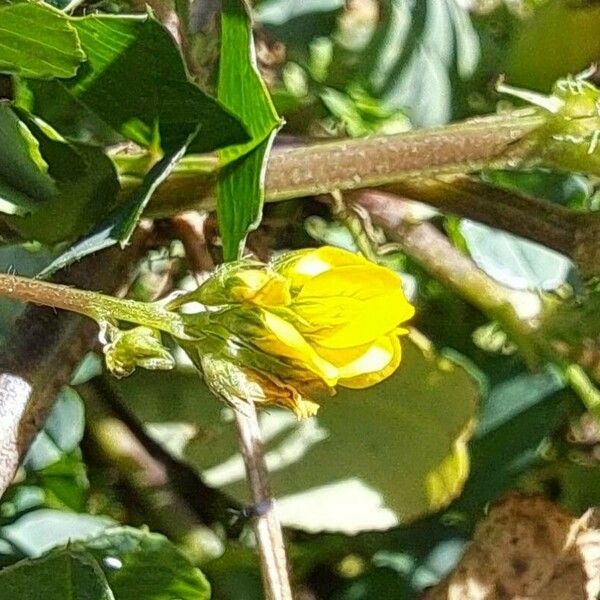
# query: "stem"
[427,165]
[269,537]
[348,164]
[550,224]
[91,304]
[584,388]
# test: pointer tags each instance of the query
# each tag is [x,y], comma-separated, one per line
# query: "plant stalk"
[269,537]
[321,167]
[91,304]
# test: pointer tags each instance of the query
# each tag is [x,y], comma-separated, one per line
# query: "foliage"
[105,111]
[118,563]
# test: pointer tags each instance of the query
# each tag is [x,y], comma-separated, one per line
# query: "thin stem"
[269,537]
[91,304]
[584,388]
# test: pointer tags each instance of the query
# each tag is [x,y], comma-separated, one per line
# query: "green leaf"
[120,224]
[134,80]
[121,563]
[568,189]
[77,183]
[58,576]
[24,174]
[296,23]
[240,192]
[62,432]
[143,565]
[277,12]
[38,41]
[36,532]
[397,449]
[54,468]
[416,49]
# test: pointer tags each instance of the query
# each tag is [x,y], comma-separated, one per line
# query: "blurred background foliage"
[382,491]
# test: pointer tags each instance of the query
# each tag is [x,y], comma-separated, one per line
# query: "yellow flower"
[312,318]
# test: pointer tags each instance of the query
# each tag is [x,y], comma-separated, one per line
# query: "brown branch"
[321,167]
[544,222]
[44,347]
[191,229]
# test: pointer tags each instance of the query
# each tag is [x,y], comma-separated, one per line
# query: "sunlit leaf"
[415,51]
[139,564]
[38,531]
[133,80]
[240,192]
[38,41]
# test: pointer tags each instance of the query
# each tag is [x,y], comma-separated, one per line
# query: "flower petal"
[260,287]
[375,365]
[302,265]
[351,305]
[286,341]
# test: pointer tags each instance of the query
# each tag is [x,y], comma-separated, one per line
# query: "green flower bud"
[137,347]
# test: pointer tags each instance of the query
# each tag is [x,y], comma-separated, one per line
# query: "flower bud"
[137,347]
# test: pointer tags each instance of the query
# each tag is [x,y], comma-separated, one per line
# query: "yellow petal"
[351,305]
[302,265]
[375,365]
[260,286]
[340,357]
[286,341]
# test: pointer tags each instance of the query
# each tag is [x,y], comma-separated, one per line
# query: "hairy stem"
[347,164]
[429,165]
[91,304]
